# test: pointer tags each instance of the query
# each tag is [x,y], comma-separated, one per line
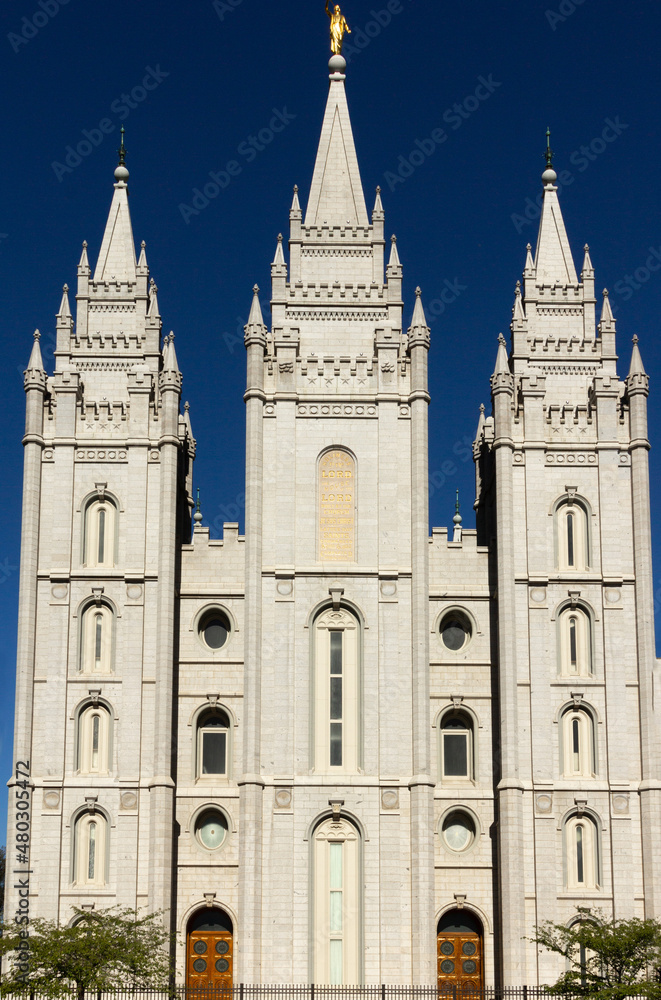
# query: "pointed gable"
[553,261]
[117,254]
[336,195]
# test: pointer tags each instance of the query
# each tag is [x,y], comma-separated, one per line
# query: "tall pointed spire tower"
[336,521]
[563,498]
[107,506]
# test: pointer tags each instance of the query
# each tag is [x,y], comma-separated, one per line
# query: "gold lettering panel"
[337,494]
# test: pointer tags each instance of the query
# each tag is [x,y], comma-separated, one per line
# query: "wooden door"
[209,959]
[460,962]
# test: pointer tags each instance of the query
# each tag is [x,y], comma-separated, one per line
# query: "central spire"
[336,195]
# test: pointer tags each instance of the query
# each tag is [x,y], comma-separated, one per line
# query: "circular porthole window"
[458,831]
[211,829]
[456,631]
[214,630]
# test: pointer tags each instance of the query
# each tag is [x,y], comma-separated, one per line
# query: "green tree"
[606,959]
[111,949]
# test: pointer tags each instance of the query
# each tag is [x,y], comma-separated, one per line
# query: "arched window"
[581,838]
[100,533]
[457,746]
[572,536]
[90,849]
[578,743]
[96,639]
[575,628]
[336,691]
[337,904]
[213,744]
[94,740]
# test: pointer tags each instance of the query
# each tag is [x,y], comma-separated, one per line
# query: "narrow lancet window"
[570,541]
[91,864]
[572,644]
[580,874]
[336,699]
[102,537]
[336,691]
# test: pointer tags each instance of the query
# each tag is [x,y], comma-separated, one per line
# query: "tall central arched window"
[100,533]
[578,743]
[582,860]
[336,691]
[575,634]
[572,535]
[337,904]
[96,639]
[90,849]
[94,735]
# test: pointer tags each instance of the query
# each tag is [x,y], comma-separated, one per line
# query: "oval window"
[456,631]
[214,630]
[211,829]
[458,831]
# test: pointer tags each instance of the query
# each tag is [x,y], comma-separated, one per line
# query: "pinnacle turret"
[636,367]
[418,327]
[502,364]
[394,254]
[65,309]
[36,363]
[607,322]
[279,259]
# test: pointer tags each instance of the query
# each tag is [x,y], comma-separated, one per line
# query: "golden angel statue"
[338,26]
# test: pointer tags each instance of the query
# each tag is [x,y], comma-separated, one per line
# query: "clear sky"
[198,85]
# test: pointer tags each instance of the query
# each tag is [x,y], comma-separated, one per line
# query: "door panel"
[460,962]
[209,959]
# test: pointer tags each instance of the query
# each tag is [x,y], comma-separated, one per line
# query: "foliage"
[607,959]
[104,950]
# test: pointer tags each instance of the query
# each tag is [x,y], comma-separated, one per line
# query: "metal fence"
[243,991]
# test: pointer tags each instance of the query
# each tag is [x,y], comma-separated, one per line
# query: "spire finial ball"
[337,64]
[121,175]
[549,176]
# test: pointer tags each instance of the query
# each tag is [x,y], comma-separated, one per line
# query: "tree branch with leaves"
[606,959]
[104,950]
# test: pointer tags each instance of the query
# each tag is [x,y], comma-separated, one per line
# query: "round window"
[456,631]
[211,829]
[214,630]
[458,831]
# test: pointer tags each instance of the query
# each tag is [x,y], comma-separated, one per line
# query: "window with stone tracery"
[581,843]
[575,637]
[94,740]
[572,536]
[337,903]
[90,849]
[336,694]
[96,639]
[578,743]
[100,533]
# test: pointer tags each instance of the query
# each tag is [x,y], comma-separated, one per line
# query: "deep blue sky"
[560,63]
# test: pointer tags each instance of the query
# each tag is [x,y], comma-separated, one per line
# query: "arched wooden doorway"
[460,951]
[209,950]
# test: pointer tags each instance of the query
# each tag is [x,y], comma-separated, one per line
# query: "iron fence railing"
[245,991]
